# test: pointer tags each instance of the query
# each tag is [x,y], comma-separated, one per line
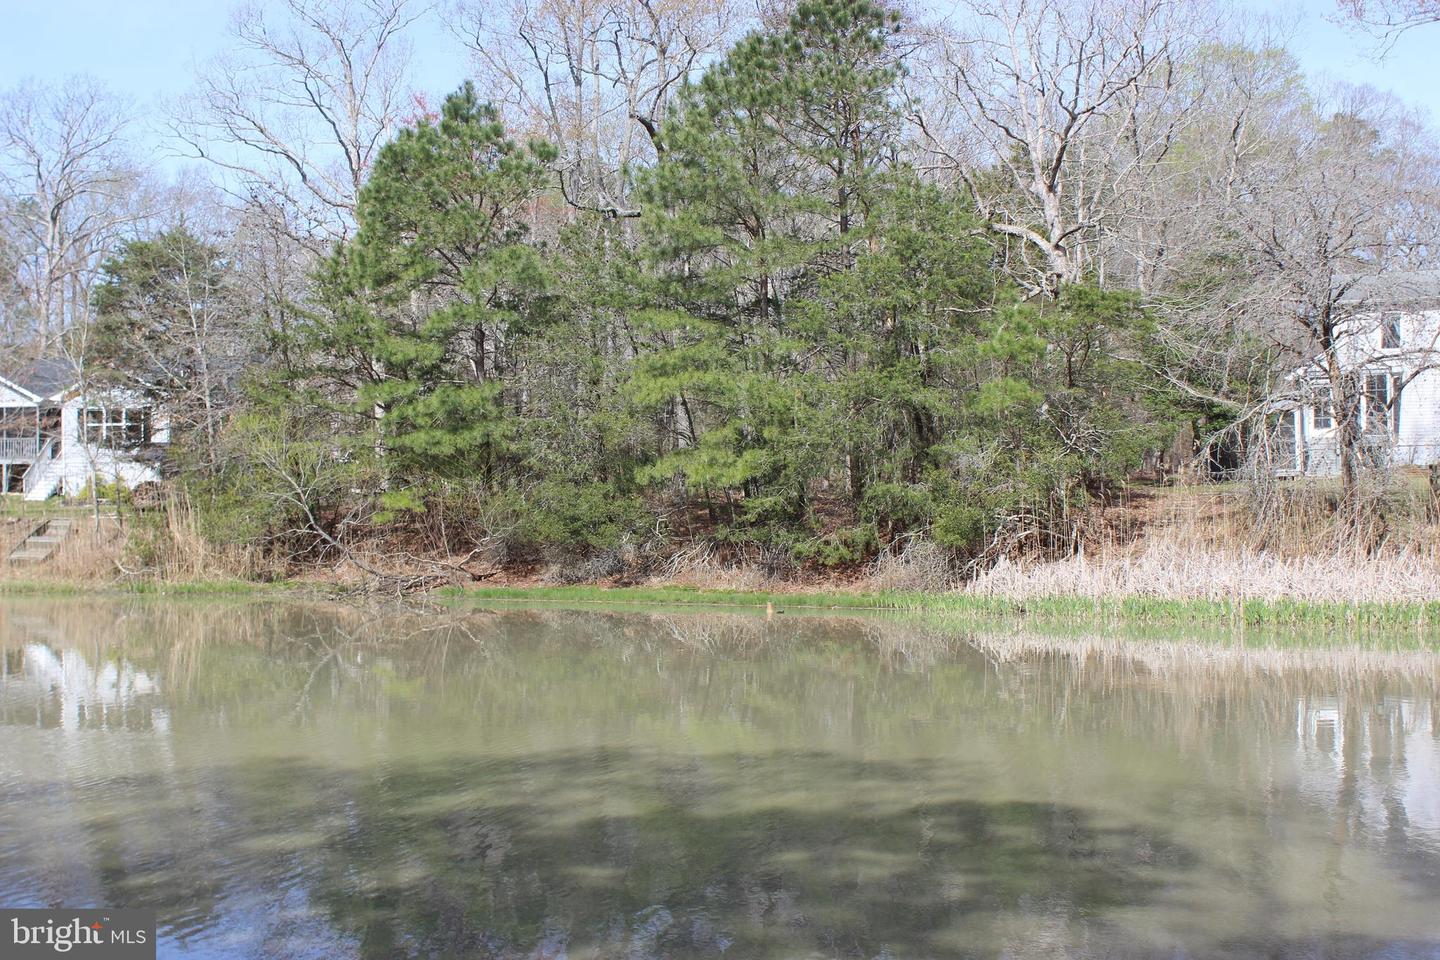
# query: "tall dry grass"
[1167,569]
[1283,543]
[1203,543]
[88,555]
[1197,543]
[160,545]
[166,544]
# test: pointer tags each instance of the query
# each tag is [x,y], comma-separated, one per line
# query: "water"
[286,780]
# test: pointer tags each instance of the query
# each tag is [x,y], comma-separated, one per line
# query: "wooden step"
[44,539]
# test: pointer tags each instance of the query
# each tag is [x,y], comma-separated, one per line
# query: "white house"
[1390,344]
[56,436]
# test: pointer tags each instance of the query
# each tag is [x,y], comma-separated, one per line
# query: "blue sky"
[147,49]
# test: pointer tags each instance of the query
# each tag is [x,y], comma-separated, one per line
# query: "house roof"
[1397,287]
[48,376]
[44,377]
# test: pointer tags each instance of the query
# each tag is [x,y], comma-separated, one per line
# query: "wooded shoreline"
[841,294]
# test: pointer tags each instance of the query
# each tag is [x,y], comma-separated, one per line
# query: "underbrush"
[1205,543]
[90,553]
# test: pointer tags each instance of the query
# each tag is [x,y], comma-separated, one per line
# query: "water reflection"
[73,694]
[293,780]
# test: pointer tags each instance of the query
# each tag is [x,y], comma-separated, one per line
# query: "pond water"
[296,780]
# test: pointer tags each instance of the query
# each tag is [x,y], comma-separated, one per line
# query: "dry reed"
[1171,570]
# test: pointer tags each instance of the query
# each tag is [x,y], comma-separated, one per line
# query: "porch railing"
[19,449]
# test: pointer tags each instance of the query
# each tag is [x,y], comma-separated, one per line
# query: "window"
[16,423]
[1390,332]
[1287,450]
[93,422]
[1324,413]
[118,427]
[1379,393]
[137,427]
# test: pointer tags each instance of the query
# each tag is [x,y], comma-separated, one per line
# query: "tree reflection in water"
[305,780]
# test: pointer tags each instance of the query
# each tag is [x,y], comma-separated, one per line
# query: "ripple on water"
[690,785]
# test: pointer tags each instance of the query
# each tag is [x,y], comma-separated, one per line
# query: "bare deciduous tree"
[1170,234]
[1390,18]
[1319,214]
[67,191]
[295,115]
[172,321]
[594,77]
[1045,107]
[270,277]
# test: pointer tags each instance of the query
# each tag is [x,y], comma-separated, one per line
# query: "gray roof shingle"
[1394,288]
[46,376]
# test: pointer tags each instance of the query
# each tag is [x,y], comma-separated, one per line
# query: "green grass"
[13,505]
[670,596]
[1257,623]
[42,588]
[198,588]
[223,587]
[1255,613]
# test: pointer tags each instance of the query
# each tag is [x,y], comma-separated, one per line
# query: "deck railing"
[19,449]
[39,471]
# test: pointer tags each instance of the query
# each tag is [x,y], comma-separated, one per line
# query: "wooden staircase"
[42,541]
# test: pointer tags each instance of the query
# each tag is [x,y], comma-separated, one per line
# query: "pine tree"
[168,328]
[422,306]
[768,176]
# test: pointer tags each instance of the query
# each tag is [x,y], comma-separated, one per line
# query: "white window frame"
[1322,413]
[1390,411]
[1392,322]
[115,423]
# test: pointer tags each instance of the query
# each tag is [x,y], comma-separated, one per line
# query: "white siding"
[79,461]
[1418,441]
[1360,340]
[11,398]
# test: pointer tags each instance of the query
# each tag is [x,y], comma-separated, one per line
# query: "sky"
[148,50]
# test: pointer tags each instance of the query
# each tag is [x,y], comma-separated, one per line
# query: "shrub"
[918,565]
[844,547]
[896,506]
[959,526]
[108,490]
[227,514]
[588,516]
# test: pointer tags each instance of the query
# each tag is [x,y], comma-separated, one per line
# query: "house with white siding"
[57,436]
[1390,344]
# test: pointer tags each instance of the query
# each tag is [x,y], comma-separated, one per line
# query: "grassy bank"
[1406,616]
[160,588]
[1250,623]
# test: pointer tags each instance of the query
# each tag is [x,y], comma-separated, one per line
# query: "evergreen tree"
[168,328]
[421,308]
[768,177]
